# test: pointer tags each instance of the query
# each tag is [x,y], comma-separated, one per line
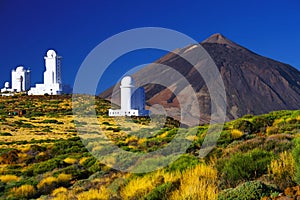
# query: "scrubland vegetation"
[42,157]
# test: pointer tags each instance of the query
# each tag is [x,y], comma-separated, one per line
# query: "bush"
[59,191]
[5,134]
[244,125]
[101,194]
[46,185]
[51,121]
[282,170]
[197,183]
[70,161]
[161,192]
[245,166]
[42,167]
[24,191]
[296,155]
[72,145]
[8,178]
[183,163]
[252,190]
[260,123]
[106,123]
[224,139]
[236,134]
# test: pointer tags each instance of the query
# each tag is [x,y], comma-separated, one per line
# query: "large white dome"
[6,85]
[20,69]
[127,81]
[51,53]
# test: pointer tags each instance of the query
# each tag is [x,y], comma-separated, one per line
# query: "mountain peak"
[218,38]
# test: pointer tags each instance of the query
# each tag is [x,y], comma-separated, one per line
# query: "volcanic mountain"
[253,83]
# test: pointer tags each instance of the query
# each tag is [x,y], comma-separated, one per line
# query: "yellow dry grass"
[24,191]
[70,161]
[236,134]
[59,191]
[198,183]
[62,196]
[282,168]
[39,131]
[46,181]
[64,177]
[82,160]
[8,178]
[140,186]
[92,194]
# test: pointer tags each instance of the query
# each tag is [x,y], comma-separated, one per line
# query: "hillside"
[41,156]
[254,84]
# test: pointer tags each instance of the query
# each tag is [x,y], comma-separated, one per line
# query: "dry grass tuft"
[236,134]
[24,191]
[8,178]
[59,191]
[197,183]
[92,194]
[70,161]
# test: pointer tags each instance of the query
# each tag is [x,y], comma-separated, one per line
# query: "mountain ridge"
[254,84]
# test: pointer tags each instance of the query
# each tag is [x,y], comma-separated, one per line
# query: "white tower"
[127,88]
[52,76]
[20,79]
[132,100]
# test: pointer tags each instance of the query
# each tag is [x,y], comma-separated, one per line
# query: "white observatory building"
[20,79]
[132,100]
[52,76]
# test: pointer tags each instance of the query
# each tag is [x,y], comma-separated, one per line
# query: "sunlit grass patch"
[101,194]
[24,191]
[8,178]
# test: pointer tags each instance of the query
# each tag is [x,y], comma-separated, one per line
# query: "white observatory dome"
[6,85]
[127,81]
[51,53]
[20,69]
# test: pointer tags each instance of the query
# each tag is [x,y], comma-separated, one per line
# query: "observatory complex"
[52,76]
[132,100]
[20,79]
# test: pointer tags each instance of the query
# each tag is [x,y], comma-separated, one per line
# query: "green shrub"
[5,134]
[296,155]
[182,163]
[106,123]
[71,145]
[224,139]
[162,191]
[252,190]
[49,165]
[89,162]
[244,125]
[50,121]
[245,166]
[21,124]
[260,123]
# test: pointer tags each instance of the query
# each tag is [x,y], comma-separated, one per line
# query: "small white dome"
[6,85]
[127,81]
[51,53]
[20,69]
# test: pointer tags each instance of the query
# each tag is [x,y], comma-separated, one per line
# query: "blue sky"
[74,28]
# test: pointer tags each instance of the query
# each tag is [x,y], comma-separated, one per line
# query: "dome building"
[132,100]
[52,76]
[20,80]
